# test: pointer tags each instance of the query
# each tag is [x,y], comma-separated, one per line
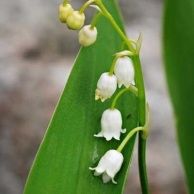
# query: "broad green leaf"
[69,147]
[179,63]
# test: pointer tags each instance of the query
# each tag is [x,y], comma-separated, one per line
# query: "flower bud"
[87,36]
[106,86]
[64,12]
[109,165]
[111,123]
[124,71]
[75,20]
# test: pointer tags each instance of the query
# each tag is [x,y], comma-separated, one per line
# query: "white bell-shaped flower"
[111,123]
[109,165]
[124,71]
[87,36]
[106,86]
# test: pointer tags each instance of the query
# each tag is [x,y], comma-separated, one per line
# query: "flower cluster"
[111,120]
[75,21]
[121,73]
[107,83]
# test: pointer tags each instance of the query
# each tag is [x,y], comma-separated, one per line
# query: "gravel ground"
[36,57]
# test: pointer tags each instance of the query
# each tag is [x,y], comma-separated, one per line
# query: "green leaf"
[69,147]
[179,64]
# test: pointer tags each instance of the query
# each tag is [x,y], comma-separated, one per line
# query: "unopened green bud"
[87,36]
[76,20]
[64,12]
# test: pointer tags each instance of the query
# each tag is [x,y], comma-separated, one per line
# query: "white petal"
[103,99]
[99,134]
[98,171]
[111,177]
[123,130]
[92,168]
[120,84]
[114,181]
[117,137]
[105,178]
[108,137]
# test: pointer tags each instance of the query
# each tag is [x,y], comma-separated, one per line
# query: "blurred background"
[36,56]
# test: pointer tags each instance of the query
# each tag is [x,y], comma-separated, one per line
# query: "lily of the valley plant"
[125,71]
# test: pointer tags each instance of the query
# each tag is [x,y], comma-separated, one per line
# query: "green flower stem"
[94,21]
[142,165]
[141,89]
[142,121]
[113,66]
[82,9]
[112,21]
[65,2]
[129,135]
[131,88]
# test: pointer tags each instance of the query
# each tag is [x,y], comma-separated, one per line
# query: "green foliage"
[69,147]
[179,64]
